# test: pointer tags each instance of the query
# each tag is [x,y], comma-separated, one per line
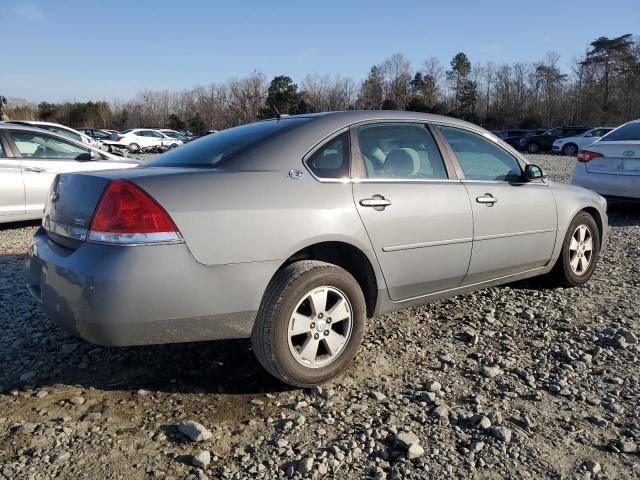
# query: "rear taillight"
[119,137]
[127,214]
[586,156]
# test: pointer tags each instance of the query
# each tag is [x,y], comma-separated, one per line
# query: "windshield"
[212,150]
[630,131]
[553,132]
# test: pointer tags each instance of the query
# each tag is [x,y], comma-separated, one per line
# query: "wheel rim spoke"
[319,300]
[574,244]
[583,264]
[339,312]
[299,324]
[334,342]
[309,351]
[574,263]
[588,245]
[582,231]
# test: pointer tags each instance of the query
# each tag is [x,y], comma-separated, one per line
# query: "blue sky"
[80,50]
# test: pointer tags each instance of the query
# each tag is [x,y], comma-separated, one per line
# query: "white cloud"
[30,12]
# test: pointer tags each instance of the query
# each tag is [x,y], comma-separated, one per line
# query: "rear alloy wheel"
[533,148]
[570,150]
[580,252]
[133,147]
[310,323]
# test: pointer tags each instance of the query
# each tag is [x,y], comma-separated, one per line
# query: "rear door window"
[400,151]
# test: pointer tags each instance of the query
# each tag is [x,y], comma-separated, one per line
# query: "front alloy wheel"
[580,252]
[310,323]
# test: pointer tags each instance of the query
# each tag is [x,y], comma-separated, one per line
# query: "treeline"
[601,88]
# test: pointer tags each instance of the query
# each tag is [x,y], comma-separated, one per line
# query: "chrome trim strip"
[514,234]
[77,233]
[134,238]
[411,246]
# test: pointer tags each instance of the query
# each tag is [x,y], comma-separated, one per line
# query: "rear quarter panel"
[253,216]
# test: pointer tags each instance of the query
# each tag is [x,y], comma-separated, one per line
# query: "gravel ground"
[518,381]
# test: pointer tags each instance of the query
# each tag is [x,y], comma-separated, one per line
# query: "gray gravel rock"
[195,431]
[202,459]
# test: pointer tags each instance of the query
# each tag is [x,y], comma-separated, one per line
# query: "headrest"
[402,163]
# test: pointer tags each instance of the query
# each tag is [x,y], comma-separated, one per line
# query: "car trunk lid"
[620,158]
[73,199]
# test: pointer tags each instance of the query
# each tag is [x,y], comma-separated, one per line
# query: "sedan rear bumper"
[139,295]
[608,185]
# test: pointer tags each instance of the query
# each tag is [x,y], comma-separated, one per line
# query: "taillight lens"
[587,155]
[119,137]
[128,214]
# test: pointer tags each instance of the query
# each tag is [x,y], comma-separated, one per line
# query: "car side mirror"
[533,172]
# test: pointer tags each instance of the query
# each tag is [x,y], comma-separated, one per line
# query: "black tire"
[133,147]
[562,272]
[533,147]
[270,336]
[570,150]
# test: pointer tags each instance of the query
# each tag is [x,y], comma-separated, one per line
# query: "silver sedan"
[293,231]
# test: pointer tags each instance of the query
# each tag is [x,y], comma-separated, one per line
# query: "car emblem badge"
[628,153]
[296,174]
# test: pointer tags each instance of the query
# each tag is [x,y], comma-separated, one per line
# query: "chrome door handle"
[377,202]
[487,198]
[34,169]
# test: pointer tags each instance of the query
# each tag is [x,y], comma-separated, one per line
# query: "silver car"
[611,166]
[293,231]
[30,158]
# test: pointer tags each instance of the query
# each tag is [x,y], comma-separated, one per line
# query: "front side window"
[38,145]
[2,154]
[630,131]
[332,159]
[481,159]
[400,151]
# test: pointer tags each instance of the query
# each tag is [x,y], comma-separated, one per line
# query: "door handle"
[487,199]
[34,169]
[377,201]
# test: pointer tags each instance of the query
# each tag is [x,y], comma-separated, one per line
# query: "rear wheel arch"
[346,256]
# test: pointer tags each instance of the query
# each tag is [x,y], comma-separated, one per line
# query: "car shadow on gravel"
[623,214]
[36,352]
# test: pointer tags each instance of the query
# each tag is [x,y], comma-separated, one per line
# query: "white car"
[570,146]
[63,130]
[136,139]
[611,165]
[30,158]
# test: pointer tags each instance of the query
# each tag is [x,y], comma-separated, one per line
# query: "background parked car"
[611,165]
[96,133]
[31,157]
[571,145]
[177,135]
[544,142]
[136,139]
[514,137]
[63,130]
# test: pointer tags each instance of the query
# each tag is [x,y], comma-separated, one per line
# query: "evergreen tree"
[457,76]
[282,96]
[372,92]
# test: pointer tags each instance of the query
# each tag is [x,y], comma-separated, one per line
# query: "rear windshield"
[212,150]
[630,131]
